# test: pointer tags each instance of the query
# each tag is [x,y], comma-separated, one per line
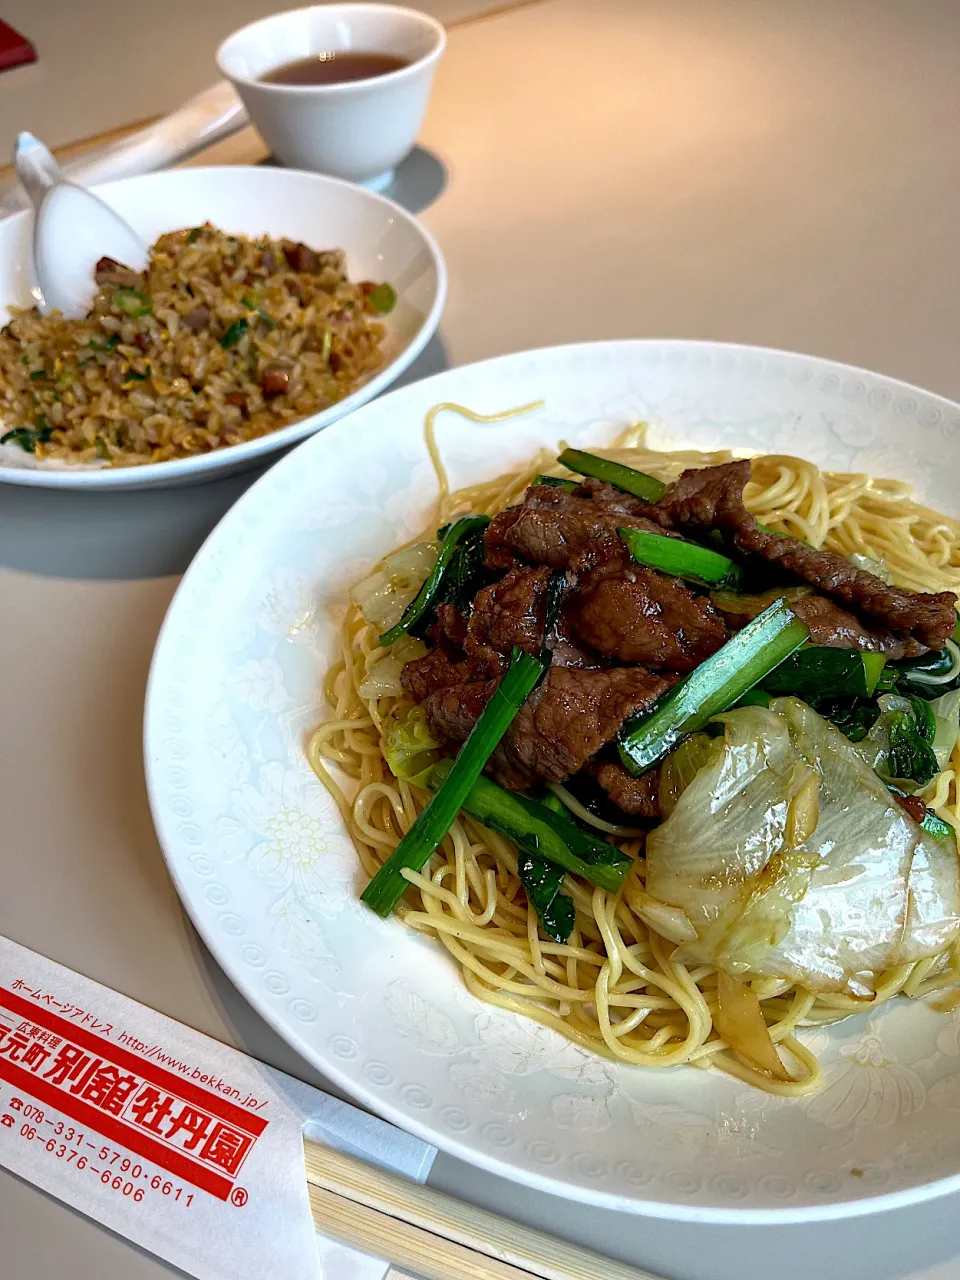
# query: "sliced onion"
[384,594]
[670,922]
[739,1019]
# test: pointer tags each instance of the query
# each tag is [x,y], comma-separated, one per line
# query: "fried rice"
[220,340]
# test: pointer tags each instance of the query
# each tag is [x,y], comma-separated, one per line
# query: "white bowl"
[359,130]
[266,868]
[381,240]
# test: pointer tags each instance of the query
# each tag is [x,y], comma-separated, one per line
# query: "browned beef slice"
[835,628]
[441,669]
[451,625]
[499,554]
[712,497]
[453,711]
[110,272]
[562,724]
[640,796]
[568,719]
[560,529]
[614,499]
[635,614]
[830,625]
[508,613]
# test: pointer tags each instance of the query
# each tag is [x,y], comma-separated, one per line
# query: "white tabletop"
[780,173]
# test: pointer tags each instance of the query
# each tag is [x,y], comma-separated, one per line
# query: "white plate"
[264,866]
[382,242]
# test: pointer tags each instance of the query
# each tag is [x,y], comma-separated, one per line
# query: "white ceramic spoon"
[72,230]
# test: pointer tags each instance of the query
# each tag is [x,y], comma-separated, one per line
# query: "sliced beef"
[441,669]
[112,273]
[614,499]
[712,497]
[451,625]
[452,711]
[639,796]
[830,625]
[510,612]
[635,614]
[564,722]
[568,719]
[835,628]
[560,529]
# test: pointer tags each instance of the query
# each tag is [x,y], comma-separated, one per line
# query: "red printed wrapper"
[183,1145]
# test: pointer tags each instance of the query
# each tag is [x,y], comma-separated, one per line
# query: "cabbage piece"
[383,678]
[383,594]
[682,766]
[946,711]
[409,747]
[791,859]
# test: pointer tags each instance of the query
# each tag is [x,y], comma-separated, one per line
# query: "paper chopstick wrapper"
[212,115]
[186,1147]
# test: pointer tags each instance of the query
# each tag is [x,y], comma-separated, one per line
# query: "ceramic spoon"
[72,230]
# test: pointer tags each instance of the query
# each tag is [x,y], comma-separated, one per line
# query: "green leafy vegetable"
[133,376]
[822,671]
[464,577]
[555,482]
[854,717]
[268,320]
[682,559]
[132,302]
[626,478]
[387,887]
[235,332]
[713,687]
[106,344]
[542,883]
[429,594]
[900,744]
[541,829]
[383,298]
[924,715]
[38,375]
[28,438]
[936,827]
[194,235]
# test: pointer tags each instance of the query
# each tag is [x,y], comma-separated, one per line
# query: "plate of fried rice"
[272,303]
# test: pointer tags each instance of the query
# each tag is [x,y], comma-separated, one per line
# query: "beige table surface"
[779,173]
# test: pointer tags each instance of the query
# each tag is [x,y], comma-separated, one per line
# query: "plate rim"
[353,1088]
[208,466]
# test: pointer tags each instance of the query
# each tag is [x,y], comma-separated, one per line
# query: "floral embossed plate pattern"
[268,874]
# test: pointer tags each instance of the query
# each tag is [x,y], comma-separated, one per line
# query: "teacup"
[355,129]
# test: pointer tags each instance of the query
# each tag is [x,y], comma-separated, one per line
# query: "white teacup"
[359,129]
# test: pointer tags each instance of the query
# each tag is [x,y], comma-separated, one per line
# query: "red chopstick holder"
[15,50]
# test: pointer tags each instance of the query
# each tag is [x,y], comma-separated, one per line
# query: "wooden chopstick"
[435,1235]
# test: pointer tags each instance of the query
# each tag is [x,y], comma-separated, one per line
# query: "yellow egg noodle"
[616,986]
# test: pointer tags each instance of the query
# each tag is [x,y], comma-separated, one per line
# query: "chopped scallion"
[713,687]
[387,887]
[626,478]
[682,559]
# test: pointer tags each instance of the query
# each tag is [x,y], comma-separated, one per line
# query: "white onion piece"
[384,594]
